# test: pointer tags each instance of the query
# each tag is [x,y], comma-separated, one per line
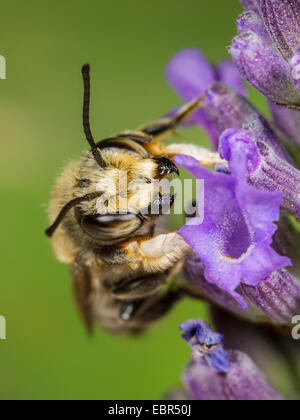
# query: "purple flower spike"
[228,74]
[278,297]
[288,121]
[215,374]
[225,108]
[251,5]
[267,49]
[243,382]
[234,241]
[282,18]
[265,169]
[250,21]
[203,384]
[206,344]
[262,67]
[246,382]
[267,347]
[190,74]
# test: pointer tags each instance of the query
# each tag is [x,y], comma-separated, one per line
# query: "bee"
[121,255]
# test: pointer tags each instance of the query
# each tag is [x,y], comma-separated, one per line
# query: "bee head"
[126,180]
[130,197]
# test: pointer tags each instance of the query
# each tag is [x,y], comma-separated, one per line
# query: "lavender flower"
[234,241]
[265,169]
[240,253]
[251,5]
[282,19]
[207,345]
[288,121]
[190,74]
[225,109]
[266,49]
[276,299]
[228,109]
[241,380]
[266,346]
[224,106]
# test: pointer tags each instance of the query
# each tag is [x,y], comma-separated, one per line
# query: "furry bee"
[121,256]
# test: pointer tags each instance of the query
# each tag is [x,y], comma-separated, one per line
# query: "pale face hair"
[129,183]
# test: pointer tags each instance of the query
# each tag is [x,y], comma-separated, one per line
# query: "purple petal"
[267,171]
[230,76]
[251,21]
[288,121]
[251,5]
[201,331]
[277,298]
[206,344]
[237,229]
[195,271]
[282,18]
[190,73]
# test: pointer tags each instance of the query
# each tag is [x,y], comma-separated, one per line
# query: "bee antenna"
[86,115]
[65,210]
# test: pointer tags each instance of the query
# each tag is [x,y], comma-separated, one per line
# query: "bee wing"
[82,291]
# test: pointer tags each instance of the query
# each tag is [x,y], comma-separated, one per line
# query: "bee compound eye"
[111,226]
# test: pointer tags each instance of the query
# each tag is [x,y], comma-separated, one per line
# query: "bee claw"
[166,166]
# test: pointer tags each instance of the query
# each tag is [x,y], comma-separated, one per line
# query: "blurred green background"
[128,43]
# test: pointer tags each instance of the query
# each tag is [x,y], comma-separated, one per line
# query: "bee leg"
[140,288]
[160,253]
[204,156]
[164,127]
[150,135]
[150,309]
[112,255]
[165,166]
[82,280]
